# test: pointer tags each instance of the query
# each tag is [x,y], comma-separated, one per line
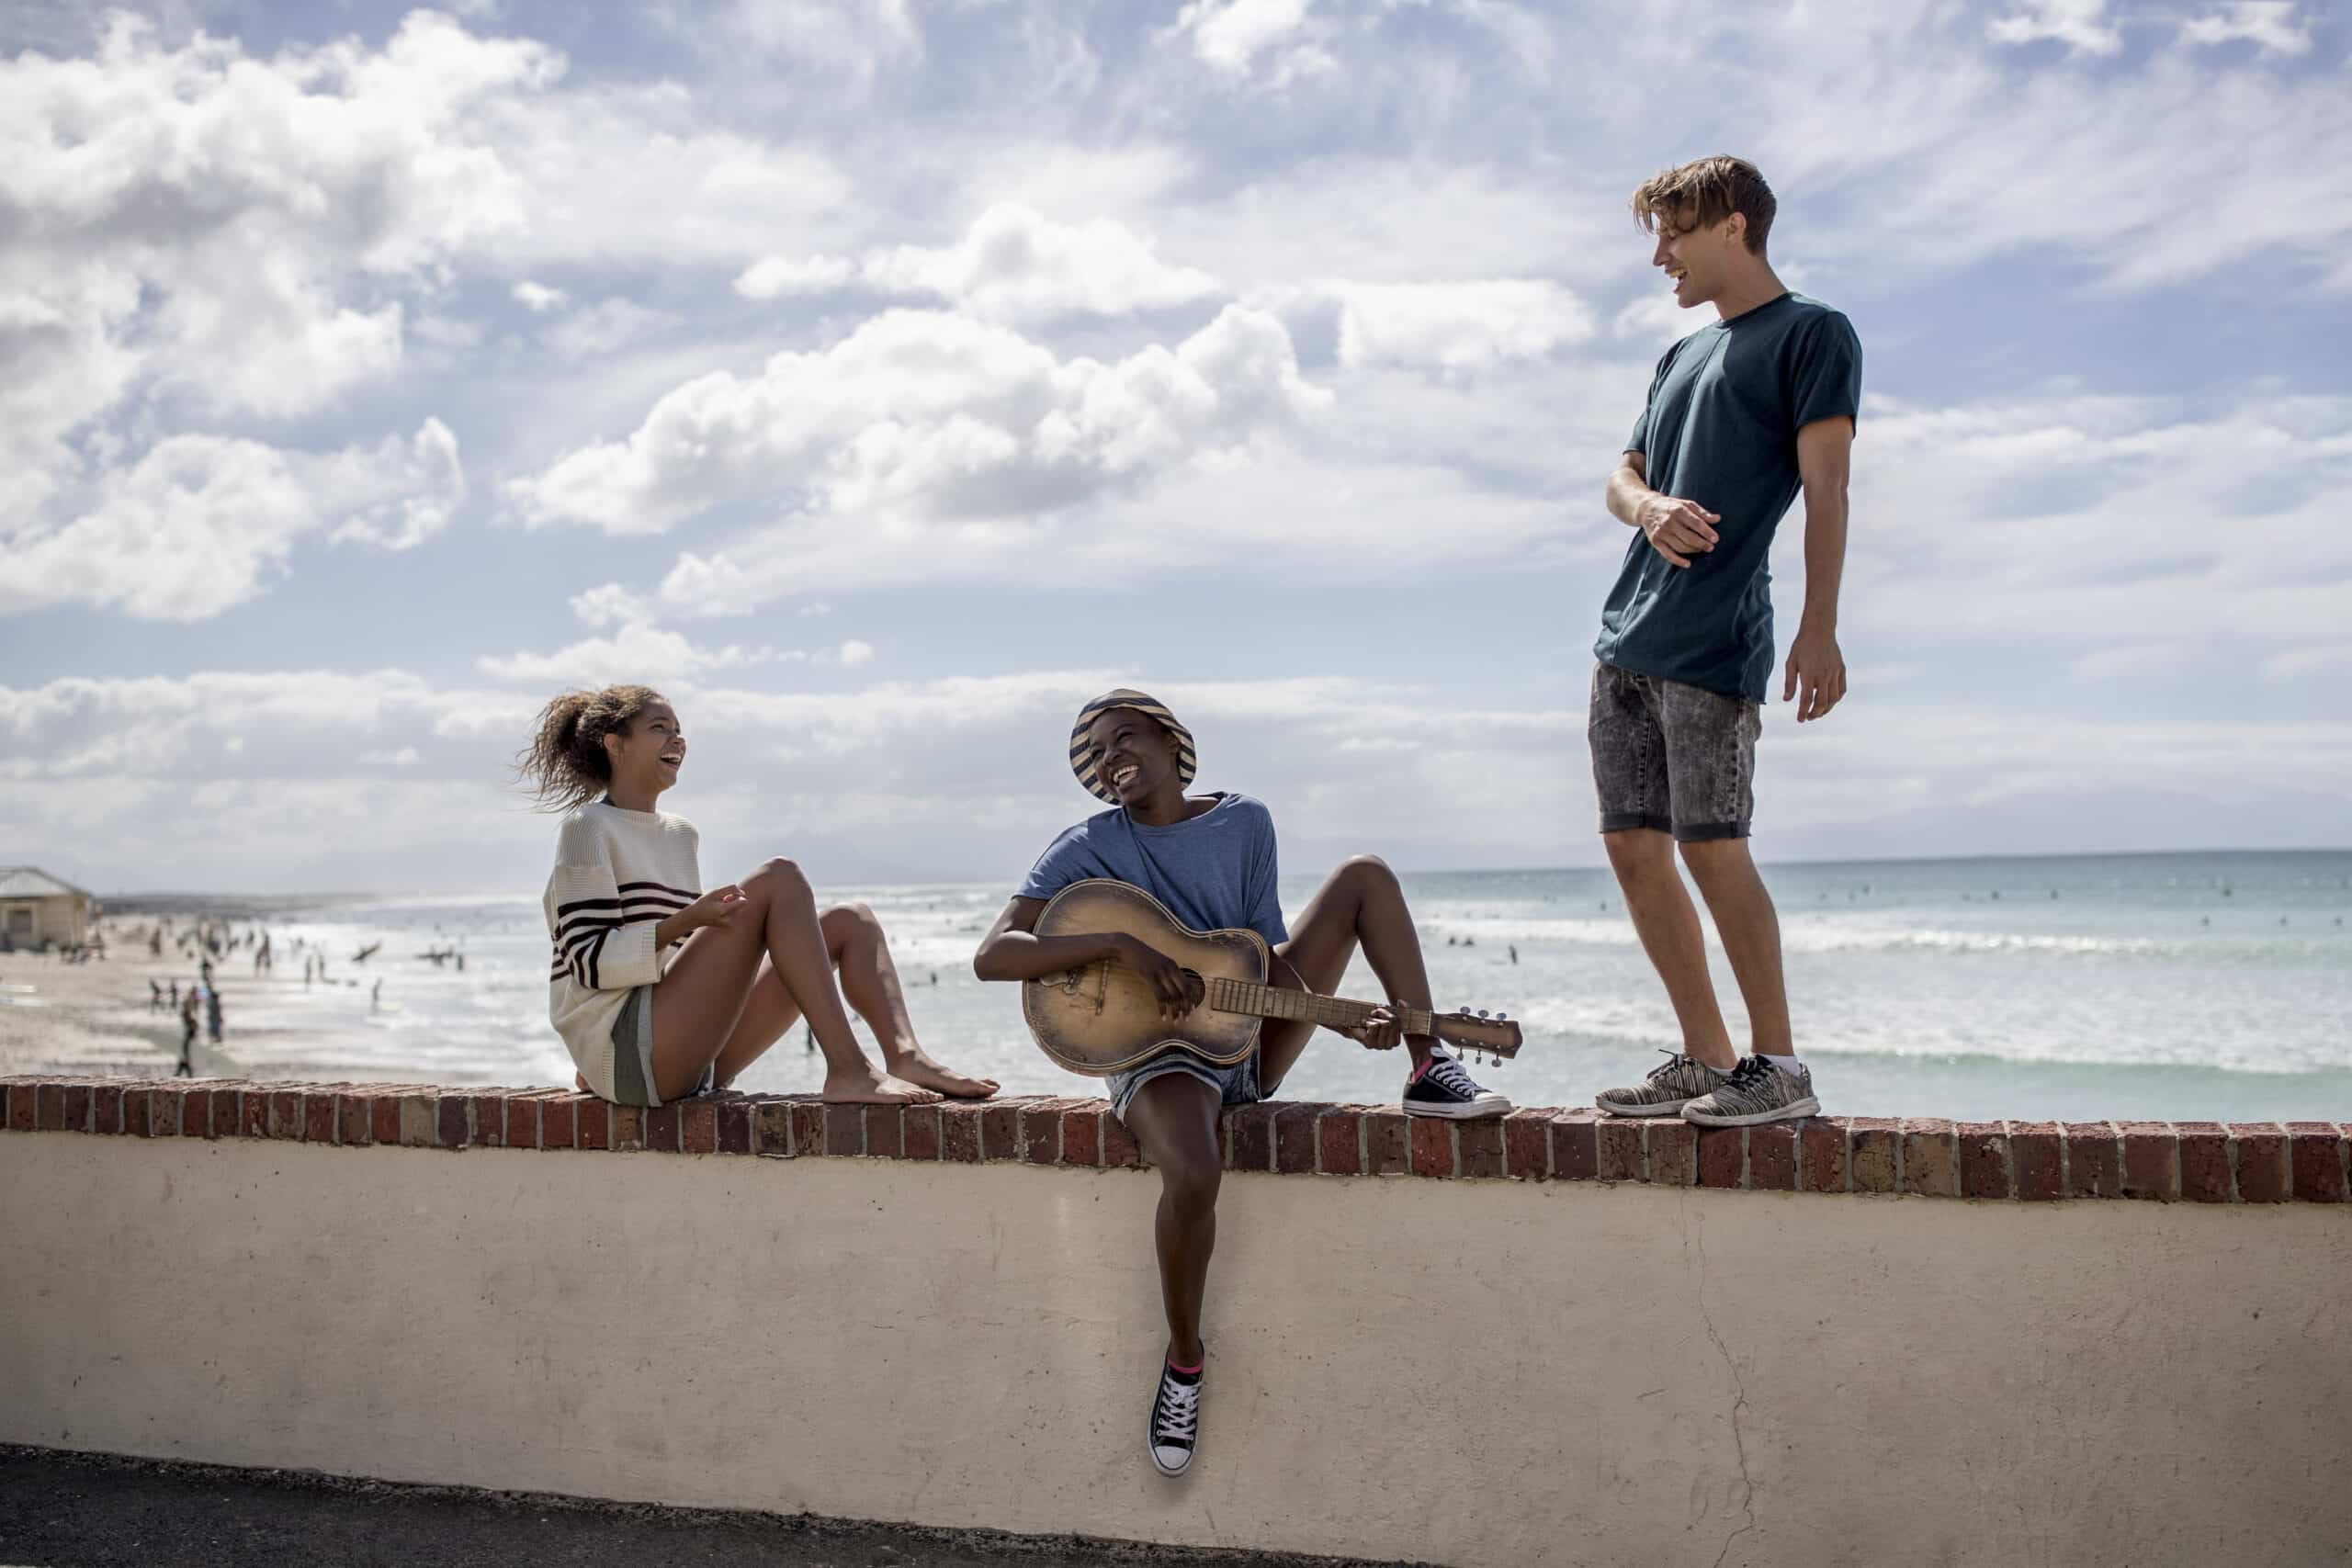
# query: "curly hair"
[1704,192]
[565,764]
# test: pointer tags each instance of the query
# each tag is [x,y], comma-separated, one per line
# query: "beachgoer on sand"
[1211,861]
[661,989]
[1745,412]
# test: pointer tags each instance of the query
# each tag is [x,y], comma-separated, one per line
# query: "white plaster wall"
[1469,1373]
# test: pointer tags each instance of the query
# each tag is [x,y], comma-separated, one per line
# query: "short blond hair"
[1704,192]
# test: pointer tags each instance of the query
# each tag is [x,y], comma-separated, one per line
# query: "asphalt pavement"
[70,1510]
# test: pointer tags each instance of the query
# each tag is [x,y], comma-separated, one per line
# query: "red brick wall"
[2202,1162]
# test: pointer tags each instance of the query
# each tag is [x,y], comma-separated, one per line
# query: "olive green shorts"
[633,1053]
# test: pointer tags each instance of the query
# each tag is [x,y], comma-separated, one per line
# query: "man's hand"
[1815,666]
[1676,529]
[1170,986]
[1380,1030]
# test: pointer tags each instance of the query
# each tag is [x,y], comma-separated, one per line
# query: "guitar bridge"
[1069,980]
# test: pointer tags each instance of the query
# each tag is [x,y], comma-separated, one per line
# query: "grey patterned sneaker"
[1670,1086]
[1756,1091]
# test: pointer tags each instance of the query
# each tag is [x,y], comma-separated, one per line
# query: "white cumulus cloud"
[931,416]
[1457,326]
[1012,264]
[1228,34]
[2080,25]
[2271,25]
[201,523]
[637,651]
[609,605]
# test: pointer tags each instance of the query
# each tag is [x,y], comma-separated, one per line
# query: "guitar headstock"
[1494,1036]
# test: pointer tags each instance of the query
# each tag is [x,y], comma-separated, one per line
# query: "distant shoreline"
[229,903]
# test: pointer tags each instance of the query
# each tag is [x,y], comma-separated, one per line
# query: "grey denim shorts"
[1235,1085]
[1671,756]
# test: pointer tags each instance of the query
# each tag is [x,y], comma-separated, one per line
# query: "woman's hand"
[1381,1031]
[716,907]
[1169,982]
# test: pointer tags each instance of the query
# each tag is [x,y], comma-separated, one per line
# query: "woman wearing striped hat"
[1211,860]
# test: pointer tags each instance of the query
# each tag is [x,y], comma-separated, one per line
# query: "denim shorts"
[1673,756]
[1235,1085]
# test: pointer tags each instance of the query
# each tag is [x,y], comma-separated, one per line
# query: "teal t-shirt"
[1721,428]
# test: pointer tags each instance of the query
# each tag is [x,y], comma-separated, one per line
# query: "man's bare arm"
[1676,529]
[1815,671]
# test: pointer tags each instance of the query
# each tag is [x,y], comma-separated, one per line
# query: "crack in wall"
[1739,1385]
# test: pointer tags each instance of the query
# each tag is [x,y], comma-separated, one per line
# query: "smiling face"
[1134,755]
[1699,259]
[647,755]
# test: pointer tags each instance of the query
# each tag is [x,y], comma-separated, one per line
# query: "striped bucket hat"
[1187,762]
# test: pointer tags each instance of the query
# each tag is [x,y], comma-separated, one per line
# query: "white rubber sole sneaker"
[1179,1456]
[1655,1108]
[1480,1109]
[1807,1106]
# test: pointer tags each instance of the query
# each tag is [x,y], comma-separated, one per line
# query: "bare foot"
[867,1086]
[916,1067]
[580,1081]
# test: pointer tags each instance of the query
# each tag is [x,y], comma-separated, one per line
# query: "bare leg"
[870,982]
[1174,1121]
[853,938]
[1360,903]
[1667,923]
[1751,929]
[700,1001]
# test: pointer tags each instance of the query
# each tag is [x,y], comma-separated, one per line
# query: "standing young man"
[1742,414]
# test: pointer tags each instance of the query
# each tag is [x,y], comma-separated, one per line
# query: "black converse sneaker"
[1175,1420]
[1446,1090]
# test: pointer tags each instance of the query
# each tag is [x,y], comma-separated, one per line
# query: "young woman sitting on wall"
[663,991]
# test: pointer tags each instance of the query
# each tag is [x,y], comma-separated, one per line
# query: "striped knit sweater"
[617,875]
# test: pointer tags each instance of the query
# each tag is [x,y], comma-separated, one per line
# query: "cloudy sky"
[881,377]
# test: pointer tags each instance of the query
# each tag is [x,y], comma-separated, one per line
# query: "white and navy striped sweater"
[617,875]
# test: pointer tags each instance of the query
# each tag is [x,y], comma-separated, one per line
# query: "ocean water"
[2194,986]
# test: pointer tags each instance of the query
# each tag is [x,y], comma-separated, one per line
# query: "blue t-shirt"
[1214,872]
[1721,429]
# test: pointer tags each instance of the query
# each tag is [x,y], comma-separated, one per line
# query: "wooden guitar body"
[1105,1019]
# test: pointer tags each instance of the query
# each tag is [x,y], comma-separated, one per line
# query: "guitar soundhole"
[1195,987]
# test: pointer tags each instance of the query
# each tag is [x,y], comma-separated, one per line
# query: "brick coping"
[2204,1162]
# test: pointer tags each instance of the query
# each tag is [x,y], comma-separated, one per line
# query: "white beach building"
[38,911]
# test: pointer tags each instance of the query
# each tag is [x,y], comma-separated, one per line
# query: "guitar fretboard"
[1331,1012]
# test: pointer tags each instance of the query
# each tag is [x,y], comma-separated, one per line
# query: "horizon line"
[1416,870]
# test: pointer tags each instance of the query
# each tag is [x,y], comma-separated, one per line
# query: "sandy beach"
[97,1017]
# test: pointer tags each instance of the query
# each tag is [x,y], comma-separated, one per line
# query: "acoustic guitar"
[1104,1018]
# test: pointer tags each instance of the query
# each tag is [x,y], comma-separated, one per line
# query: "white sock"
[1786,1064]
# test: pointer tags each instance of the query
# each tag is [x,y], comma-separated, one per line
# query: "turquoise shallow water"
[2212,986]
